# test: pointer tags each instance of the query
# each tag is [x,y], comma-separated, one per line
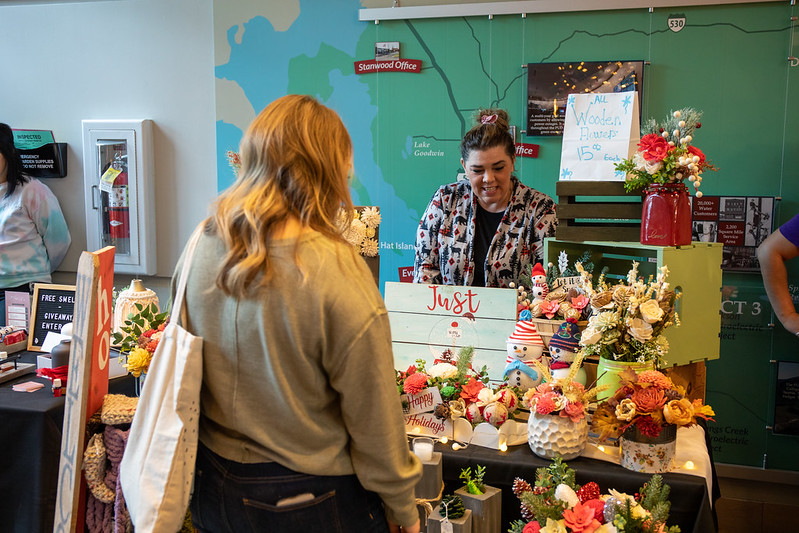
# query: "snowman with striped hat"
[525,345]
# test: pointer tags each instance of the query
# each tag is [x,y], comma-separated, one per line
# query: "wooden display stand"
[486,509]
[459,525]
[597,210]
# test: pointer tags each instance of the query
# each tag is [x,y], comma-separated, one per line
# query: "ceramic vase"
[652,455]
[553,435]
[666,215]
[608,370]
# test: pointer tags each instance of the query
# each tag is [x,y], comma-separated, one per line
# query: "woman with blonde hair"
[301,425]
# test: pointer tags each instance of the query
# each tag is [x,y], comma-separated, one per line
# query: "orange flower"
[648,400]
[580,519]
[679,412]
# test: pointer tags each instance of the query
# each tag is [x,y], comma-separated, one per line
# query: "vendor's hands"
[394,528]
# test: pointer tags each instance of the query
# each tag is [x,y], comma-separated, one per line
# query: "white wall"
[64,62]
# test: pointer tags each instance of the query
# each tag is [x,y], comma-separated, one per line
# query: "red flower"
[151,346]
[599,509]
[470,391]
[532,527]
[415,383]
[693,150]
[148,333]
[580,519]
[654,147]
[647,426]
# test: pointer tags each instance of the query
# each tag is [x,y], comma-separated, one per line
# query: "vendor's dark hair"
[492,129]
[13,160]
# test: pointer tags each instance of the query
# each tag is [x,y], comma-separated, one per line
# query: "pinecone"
[520,486]
[527,514]
[455,508]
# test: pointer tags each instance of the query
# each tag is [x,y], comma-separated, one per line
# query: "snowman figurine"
[563,347]
[538,274]
[525,345]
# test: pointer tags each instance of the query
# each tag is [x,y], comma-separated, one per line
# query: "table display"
[30,437]
[691,507]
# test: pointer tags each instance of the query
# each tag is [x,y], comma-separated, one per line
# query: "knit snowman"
[563,348]
[525,345]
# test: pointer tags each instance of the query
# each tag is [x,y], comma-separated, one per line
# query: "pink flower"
[415,383]
[550,308]
[580,519]
[579,302]
[545,403]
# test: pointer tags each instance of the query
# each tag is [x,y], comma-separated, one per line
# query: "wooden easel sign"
[433,322]
[88,381]
[600,130]
[53,306]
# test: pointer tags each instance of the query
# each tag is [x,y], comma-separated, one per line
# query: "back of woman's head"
[12,158]
[492,128]
[295,160]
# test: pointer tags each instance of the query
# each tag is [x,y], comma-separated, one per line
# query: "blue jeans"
[267,497]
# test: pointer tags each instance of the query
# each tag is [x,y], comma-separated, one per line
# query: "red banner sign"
[394,65]
[526,150]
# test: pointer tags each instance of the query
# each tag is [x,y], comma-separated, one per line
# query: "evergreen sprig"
[474,485]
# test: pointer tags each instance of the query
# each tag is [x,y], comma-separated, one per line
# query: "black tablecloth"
[690,504]
[30,440]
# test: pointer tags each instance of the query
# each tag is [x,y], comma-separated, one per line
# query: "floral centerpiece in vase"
[627,327]
[557,504]
[664,160]
[644,413]
[557,425]
[139,337]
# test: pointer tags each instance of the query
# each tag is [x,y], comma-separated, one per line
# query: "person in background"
[301,426]
[34,237]
[489,229]
[779,247]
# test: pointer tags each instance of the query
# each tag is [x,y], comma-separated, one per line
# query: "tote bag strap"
[178,315]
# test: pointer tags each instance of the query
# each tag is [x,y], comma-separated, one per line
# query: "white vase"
[553,435]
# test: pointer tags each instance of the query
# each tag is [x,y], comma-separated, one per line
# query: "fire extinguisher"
[118,212]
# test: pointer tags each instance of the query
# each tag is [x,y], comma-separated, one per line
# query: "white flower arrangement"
[362,230]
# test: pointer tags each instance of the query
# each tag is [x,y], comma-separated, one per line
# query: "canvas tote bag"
[157,469]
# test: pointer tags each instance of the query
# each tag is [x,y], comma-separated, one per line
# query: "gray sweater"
[302,372]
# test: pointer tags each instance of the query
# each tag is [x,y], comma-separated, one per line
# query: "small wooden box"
[597,211]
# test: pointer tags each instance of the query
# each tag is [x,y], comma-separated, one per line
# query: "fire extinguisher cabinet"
[118,185]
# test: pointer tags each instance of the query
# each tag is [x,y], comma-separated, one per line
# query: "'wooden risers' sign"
[433,322]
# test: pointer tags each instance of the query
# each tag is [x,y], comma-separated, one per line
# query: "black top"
[485,227]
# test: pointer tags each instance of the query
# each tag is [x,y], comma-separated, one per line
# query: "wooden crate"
[595,211]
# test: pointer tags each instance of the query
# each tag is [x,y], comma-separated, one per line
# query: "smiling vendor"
[487,230]
[33,233]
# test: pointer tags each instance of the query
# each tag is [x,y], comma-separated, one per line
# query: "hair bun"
[498,117]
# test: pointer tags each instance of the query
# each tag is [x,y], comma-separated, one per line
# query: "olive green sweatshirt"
[302,372]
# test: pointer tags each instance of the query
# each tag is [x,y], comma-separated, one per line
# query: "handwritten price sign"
[599,131]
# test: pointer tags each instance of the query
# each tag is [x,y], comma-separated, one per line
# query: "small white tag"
[446,527]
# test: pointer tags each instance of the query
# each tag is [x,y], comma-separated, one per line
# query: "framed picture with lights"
[549,84]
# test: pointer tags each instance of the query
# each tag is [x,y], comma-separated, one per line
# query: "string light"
[689,465]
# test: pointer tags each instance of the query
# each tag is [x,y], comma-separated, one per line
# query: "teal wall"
[728,61]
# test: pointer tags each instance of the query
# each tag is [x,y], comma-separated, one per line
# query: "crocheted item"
[94,468]
[118,409]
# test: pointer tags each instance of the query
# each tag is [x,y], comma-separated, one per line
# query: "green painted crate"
[694,271]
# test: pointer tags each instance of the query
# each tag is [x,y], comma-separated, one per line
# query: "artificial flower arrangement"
[465,392]
[561,396]
[362,230]
[140,336]
[650,401]
[665,153]
[557,293]
[234,160]
[557,504]
[629,318]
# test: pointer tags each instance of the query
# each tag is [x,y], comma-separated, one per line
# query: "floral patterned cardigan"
[444,250]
